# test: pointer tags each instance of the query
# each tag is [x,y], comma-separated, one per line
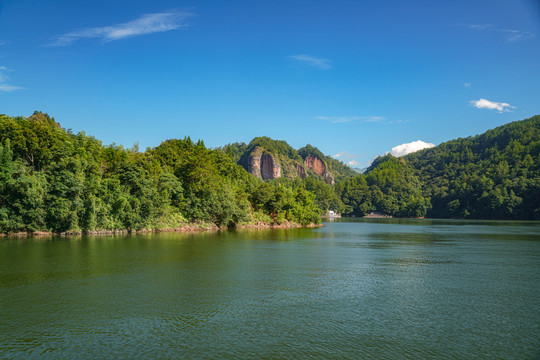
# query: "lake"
[354,289]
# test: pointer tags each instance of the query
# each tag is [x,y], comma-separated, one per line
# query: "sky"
[355,78]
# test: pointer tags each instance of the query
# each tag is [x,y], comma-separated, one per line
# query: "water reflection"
[379,288]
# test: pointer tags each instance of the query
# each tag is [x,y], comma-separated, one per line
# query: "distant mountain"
[492,175]
[359,170]
[495,175]
[269,159]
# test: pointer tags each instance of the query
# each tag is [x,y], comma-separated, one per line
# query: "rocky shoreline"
[184,228]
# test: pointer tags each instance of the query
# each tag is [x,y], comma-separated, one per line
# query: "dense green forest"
[390,187]
[54,180]
[495,175]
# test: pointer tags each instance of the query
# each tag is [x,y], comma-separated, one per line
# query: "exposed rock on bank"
[184,228]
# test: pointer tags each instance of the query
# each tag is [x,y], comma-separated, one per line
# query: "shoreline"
[187,228]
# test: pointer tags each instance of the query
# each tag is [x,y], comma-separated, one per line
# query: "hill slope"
[492,175]
[54,180]
[270,159]
[495,175]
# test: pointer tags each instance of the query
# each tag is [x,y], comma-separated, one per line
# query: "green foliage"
[278,147]
[283,153]
[288,157]
[310,150]
[340,171]
[389,187]
[235,150]
[51,179]
[286,203]
[495,175]
[325,196]
[24,207]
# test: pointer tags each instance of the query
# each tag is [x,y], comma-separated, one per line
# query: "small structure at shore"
[331,214]
[377,215]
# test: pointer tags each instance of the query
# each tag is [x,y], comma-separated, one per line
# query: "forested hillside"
[289,159]
[390,187]
[339,169]
[495,175]
[54,180]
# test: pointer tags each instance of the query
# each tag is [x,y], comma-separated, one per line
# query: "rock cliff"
[267,166]
[270,169]
[301,171]
[315,163]
[269,159]
[263,164]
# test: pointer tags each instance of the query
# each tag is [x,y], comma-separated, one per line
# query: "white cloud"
[492,105]
[517,35]
[345,155]
[8,88]
[467,84]
[146,24]
[319,63]
[374,119]
[348,158]
[346,119]
[510,35]
[4,87]
[3,76]
[480,26]
[404,149]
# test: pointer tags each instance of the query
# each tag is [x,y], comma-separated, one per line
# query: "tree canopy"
[495,175]
[53,180]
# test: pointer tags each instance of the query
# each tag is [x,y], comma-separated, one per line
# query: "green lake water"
[364,289]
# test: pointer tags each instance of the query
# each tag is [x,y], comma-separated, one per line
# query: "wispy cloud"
[467,84]
[8,88]
[3,76]
[347,157]
[4,42]
[480,26]
[346,119]
[492,105]
[316,62]
[510,35]
[407,148]
[5,87]
[516,35]
[344,155]
[146,24]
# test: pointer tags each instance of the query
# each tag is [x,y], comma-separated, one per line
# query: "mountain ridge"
[270,159]
[493,175]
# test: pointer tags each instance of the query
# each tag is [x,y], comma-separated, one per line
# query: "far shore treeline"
[54,180]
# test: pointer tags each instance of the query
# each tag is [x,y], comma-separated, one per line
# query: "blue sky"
[354,78]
